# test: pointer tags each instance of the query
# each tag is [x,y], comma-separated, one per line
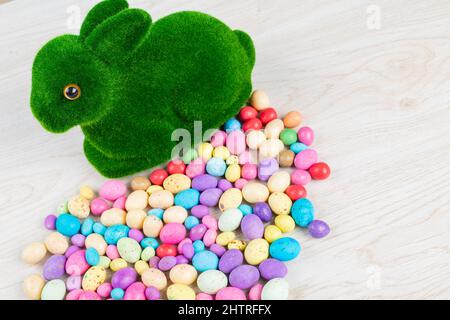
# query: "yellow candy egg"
[33,285]
[135,218]
[34,253]
[255,192]
[56,243]
[79,207]
[87,192]
[285,223]
[177,182]
[152,226]
[183,274]
[280,203]
[140,266]
[113,216]
[96,241]
[221,152]
[225,238]
[136,200]
[154,277]
[279,181]
[118,264]
[233,159]
[273,129]
[232,198]
[93,278]
[233,172]
[104,262]
[161,199]
[175,214]
[153,188]
[140,183]
[236,244]
[180,292]
[256,251]
[272,233]
[205,150]
[259,100]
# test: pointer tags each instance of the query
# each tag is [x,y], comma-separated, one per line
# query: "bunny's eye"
[72,91]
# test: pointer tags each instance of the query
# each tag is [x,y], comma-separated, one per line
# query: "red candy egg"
[247,113]
[319,171]
[295,191]
[158,176]
[252,124]
[268,115]
[176,166]
[165,249]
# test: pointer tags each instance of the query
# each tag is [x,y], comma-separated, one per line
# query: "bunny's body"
[131,83]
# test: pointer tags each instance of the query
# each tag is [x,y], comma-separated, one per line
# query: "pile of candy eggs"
[212,225]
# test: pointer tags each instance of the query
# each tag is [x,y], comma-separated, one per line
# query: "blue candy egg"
[284,249]
[216,167]
[68,224]
[198,245]
[246,209]
[99,228]
[231,125]
[92,256]
[187,198]
[158,212]
[87,226]
[205,260]
[117,293]
[115,233]
[298,147]
[149,242]
[302,212]
[191,222]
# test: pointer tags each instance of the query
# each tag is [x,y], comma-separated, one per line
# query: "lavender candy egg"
[123,278]
[188,250]
[266,168]
[272,268]
[318,229]
[182,259]
[252,227]
[217,249]
[210,197]
[230,260]
[224,185]
[197,232]
[203,182]
[166,263]
[199,211]
[263,211]
[73,283]
[151,293]
[153,262]
[54,267]
[244,276]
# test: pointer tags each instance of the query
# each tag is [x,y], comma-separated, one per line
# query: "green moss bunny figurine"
[128,82]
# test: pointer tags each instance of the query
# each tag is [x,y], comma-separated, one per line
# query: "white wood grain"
[378,100]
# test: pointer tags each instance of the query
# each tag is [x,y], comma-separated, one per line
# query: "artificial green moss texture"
[138,81]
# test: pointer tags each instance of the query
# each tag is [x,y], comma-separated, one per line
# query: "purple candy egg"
[166,263]
[136,234]
[151,293]
[217,249]
[203,182]
[71,250]
[263,211]
[200,211]
[123,278]
[197,232]
[272,268]
[188,250]
[153,262]
[244,276]
[224,185]
[230,260]
[50,222]
[210,197]
[78,240]
[266,168]
[318,229]
[252,227]
[54,267]
[182,259]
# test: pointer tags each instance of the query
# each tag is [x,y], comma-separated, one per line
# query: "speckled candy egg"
[152,226]
[252,227]
[93,278]
[175,214]
[161,199]
[115,232]
[303,212]
[54,267]
[280,203]
[129,249]
[154,277]
[123,278]
[183,274]
[177,182]
[205,260]
[211,281]
[180,292]
[97,242]
[56,243]
[244,276]
[285,249]
[230,260]
[79,207]
[275,289]
[254,192]
[230,293]
[113,216]
[230,219]
[187,198]
[256,251]
[232,198]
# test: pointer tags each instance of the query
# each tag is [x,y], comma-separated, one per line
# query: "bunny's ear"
[115,38]
[100,13]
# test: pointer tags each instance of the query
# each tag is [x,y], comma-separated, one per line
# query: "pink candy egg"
[112,252]
[204,296]
[196,168]
[182,242]
[74,294]
[236,142]
[210,222]
[172,233]
[89,295]
[76,264]
[112,190]
[136,291]
[301,177]
[230,293]
[245,157]
[255,292]
[104,290]
[306,135]
[240,183]
[210,237]
[98,205]
[218,139]
[305,159]
[249,171]
[120,203]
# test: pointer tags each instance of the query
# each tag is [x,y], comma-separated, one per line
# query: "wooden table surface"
[371,77]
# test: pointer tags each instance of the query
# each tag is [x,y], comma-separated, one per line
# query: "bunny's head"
[70,86]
